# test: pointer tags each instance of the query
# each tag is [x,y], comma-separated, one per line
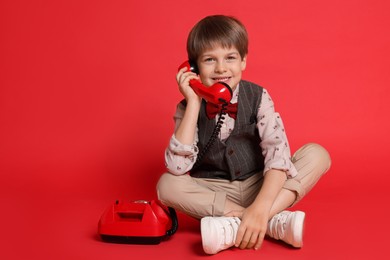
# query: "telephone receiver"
[219,93]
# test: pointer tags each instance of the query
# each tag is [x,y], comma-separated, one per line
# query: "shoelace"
[278,225]
[230,227]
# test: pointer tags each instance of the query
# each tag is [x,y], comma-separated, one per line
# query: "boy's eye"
[231,57]
[208,59]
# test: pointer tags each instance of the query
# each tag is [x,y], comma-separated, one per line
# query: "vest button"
[230,152]
[238,173]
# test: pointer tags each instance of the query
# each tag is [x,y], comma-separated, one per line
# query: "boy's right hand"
[183,78]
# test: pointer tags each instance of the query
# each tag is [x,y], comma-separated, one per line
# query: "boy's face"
[221,64]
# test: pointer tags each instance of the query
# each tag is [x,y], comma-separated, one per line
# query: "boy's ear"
[243,63]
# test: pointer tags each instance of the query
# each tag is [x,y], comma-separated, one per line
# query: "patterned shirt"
[180,158]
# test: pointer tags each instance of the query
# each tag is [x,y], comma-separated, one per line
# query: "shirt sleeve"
[274,143]
[179,158]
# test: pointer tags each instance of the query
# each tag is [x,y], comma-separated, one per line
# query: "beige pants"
[200,197]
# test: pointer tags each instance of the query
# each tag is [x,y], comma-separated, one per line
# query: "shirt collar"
[235,94]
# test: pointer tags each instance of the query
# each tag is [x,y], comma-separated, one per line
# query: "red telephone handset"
[219,93]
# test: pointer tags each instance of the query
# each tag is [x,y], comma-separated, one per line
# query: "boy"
[246,179]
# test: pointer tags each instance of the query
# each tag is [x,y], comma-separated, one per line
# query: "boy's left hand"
[252,229]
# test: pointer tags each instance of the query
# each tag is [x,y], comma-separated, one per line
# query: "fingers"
[183,76]
[247,239]
[240,236]
[259,241]
[252,241]
[179,74]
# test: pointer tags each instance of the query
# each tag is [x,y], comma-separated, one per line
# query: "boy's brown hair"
[215,30]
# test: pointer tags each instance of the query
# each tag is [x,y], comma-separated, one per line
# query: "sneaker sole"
[208,233]
[298,223]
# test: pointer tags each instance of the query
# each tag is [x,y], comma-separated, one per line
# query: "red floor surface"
[344,221]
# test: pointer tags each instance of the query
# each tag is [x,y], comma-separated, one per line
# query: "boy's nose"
[220,67]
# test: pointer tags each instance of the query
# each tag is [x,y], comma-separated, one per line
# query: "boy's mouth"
[221,79]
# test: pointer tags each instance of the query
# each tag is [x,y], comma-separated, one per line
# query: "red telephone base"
[137,222]
[132,240]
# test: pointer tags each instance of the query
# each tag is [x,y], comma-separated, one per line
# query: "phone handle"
[219,93]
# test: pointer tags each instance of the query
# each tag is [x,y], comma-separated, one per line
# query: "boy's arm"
[278,167]
[179,157]
[274,141]
[185,132]
[255,218]
[181,153]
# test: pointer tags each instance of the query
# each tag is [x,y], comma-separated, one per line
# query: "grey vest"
[239,156]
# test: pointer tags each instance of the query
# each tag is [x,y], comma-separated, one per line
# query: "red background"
[87,94]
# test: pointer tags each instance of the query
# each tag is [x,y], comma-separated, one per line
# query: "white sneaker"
[288,227]
[218,233]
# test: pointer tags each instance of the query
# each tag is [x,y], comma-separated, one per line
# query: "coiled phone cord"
[214,135]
